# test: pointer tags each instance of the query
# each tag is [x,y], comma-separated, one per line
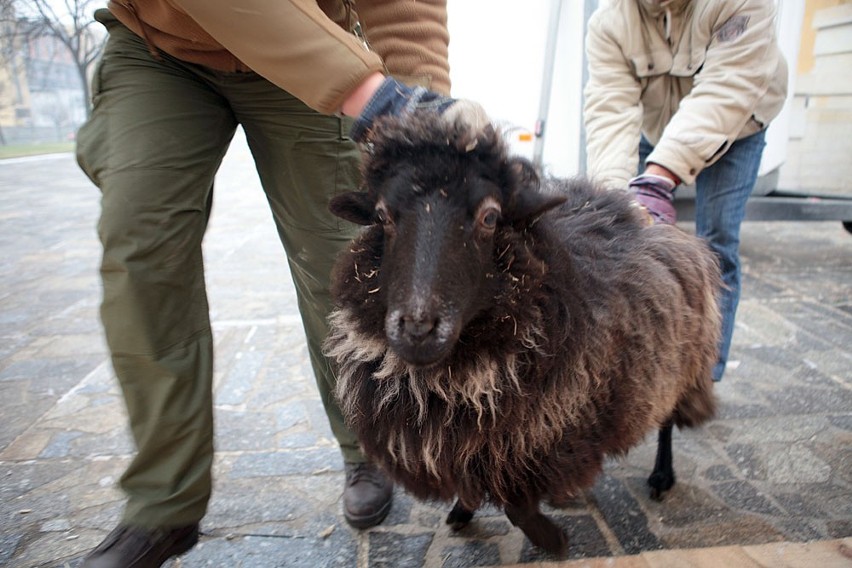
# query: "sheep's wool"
[481,387]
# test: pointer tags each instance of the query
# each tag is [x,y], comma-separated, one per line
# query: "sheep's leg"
[663,478]
[541,531]
[459,517]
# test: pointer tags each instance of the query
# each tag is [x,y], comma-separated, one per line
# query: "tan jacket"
[692,75]
[304,46]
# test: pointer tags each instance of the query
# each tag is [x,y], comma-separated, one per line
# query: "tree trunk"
[87,93]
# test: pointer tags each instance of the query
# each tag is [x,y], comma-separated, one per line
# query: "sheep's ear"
[354,206]
[523,173]
[529,205]
[527,202]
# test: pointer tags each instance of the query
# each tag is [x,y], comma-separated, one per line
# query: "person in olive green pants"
[160,127]
[154,156]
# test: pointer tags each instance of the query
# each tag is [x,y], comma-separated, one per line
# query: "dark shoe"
[366,496]
[135,547]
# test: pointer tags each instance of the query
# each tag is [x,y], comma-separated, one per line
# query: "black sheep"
[496,340]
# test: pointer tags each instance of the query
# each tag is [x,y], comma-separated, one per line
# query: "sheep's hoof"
[459,517]
[540,529]
[660,482]
[549,537]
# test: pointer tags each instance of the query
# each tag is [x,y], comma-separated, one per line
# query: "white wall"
[497,51]
[820,117]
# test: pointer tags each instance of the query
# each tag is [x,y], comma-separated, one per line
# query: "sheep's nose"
[418,327]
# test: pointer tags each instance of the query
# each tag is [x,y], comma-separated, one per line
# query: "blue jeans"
[721,194]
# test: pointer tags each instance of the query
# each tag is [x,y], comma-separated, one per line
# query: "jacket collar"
[655,8]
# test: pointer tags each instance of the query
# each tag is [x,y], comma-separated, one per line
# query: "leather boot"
[367,495]
[136,547]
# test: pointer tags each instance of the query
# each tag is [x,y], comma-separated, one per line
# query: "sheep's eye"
[382,215]
[489,217]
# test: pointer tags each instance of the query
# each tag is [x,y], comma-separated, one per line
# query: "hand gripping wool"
[497,336]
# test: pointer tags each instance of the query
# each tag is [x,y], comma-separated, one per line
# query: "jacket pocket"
[688,63]
[651,64]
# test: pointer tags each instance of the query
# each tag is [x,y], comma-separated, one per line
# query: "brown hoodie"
[306,47]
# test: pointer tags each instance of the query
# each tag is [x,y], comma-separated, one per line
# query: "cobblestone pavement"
[774,467]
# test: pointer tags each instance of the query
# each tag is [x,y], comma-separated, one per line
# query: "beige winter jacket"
[692,75]
[305,47]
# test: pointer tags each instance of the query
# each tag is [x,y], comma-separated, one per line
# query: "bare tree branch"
[70,23]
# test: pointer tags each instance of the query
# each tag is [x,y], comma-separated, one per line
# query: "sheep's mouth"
[421,341]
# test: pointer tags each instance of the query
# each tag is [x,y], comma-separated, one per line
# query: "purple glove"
[394,98]
[656,195]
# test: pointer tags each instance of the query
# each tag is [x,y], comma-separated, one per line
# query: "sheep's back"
[649,307]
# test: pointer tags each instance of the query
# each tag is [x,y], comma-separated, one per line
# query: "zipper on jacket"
[354,26]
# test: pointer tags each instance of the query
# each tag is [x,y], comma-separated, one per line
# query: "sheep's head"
[440,199]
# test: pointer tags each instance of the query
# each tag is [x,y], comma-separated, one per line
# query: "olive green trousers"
[157,135]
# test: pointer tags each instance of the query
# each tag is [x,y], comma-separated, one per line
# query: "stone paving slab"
[824,554]
[774,469]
